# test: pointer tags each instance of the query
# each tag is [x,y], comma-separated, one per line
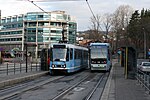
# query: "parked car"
[144,66]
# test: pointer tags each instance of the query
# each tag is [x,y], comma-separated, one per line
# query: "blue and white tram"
[68,58]
[100,56]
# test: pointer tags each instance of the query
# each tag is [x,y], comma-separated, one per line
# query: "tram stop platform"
[119,88]
[8,80]
[116,88]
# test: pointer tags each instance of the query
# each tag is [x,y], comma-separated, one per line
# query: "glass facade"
[37,28]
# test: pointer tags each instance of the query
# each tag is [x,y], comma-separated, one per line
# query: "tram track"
[12,92]
[70,88]
[97,91]
[85,80]
[61,86]
[92,92]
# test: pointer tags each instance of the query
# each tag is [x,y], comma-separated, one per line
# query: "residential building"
[36,29]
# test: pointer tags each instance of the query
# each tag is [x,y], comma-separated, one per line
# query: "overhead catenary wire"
[46,1]
[90,9]
[49,0]
[38,7]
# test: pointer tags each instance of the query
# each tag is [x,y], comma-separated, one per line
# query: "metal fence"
[144,79]
[16,68]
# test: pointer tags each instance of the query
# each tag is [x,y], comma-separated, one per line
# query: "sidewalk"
[119,88]
[21,77]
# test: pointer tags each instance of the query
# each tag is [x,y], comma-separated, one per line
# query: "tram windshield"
[97,52]
[59,54]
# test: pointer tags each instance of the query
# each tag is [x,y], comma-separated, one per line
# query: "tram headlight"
[53,66]
[64,65]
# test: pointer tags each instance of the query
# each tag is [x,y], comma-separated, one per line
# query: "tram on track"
[68,58]
[100,56]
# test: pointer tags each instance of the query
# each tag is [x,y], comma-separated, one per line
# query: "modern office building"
[36,29]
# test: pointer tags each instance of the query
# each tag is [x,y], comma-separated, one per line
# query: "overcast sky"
[77,8]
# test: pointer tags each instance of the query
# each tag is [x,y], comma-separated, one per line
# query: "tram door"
[45,59]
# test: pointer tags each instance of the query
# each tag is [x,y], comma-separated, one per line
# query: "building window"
[8,20]
[40,16]
[31,39]
[14,19]
[32,24]
[46,38]
[20,25]
[45,30]
[41,24]
[59,17]
[20,18]
[53,31]
[3,21]
[40,39]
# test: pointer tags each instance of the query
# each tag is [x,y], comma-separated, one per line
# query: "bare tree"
[107,22]
[122,16]
[120,21]
[95,28]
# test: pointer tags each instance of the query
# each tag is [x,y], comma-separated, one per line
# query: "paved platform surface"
[6,80]
[119,88]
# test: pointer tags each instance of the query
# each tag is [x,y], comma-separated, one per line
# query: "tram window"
[71,54]
[85,55]
[75,54]
[108,55]
[67,57]
[80,54]
[51,55]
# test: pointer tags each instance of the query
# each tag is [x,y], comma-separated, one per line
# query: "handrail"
[14,68]
[144,79]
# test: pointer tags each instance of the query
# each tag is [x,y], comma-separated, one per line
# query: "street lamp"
[144,43]
[25,43]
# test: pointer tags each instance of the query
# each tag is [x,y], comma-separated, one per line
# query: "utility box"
[129,61]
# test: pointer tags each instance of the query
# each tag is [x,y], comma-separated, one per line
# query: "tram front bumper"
[99,67]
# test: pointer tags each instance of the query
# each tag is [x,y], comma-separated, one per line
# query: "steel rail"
[11,95]
[99,82]
[69,89]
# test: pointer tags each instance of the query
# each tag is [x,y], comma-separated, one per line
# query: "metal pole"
[31,66]
[36,52]
[20,67]
[49,45]
[14,68]
[117,37]
[26,58]
[149,82]
[126,67]
[63,37]
[144,44]
[7,68]
[36,66]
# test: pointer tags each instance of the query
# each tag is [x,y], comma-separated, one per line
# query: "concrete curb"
[22,79]
[105,95]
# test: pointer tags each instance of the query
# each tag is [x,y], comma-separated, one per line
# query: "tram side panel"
[67,58]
